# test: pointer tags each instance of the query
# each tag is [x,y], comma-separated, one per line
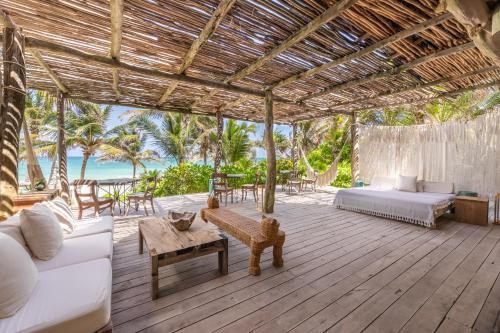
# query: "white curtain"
[465,153]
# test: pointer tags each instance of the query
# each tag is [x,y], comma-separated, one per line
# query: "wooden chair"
[250,187]
[221,187]
[310,181]
[147,195]
[496,212]
[294,182]
[86,200]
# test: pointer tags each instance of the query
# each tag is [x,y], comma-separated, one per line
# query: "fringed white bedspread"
[415,207]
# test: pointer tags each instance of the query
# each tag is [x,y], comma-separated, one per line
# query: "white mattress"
[415,207]
[78,250]
[74,299]
[91,226]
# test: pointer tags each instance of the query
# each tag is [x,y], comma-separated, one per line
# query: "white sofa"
[73,292]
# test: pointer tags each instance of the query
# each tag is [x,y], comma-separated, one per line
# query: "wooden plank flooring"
[343,272]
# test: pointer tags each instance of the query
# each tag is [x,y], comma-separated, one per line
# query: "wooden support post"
[354,149]
[35,173]
[270,154]
[11,115]
[294,149]
[61,149]
[218,147]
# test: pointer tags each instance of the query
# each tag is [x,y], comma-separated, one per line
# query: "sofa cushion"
[63,213]
[91,226]
[438,187]
[383,182]
[74,299]
[406,183]
[79,249]
[18,276]
[42,231]
[12,227]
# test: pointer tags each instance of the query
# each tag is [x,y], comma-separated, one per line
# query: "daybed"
[381,198]
[73,289]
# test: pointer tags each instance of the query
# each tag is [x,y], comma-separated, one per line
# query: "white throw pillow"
[12,227]
[383,182]
[18,276]
[407,183]
[63,213]
[438,187]
[42,231]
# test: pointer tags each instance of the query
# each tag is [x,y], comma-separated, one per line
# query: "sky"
[116,119]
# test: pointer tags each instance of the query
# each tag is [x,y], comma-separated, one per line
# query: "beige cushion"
[438,187]
[12,227]
[91,226]
[406,183]
[70,299]
[382,182]
[18,276]
[420,185]
[42,231]
[63,213]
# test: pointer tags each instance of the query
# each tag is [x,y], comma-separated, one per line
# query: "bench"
[257,236]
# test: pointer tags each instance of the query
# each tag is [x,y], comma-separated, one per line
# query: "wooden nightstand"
[471,210]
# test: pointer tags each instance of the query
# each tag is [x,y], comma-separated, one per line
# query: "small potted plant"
[40,185]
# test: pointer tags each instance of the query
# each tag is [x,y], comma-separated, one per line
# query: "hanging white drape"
[466,153]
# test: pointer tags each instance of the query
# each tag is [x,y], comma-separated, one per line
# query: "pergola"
[260,60]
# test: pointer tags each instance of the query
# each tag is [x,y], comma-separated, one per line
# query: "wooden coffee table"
[168,246]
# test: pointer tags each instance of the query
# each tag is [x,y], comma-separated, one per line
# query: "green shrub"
[343,174]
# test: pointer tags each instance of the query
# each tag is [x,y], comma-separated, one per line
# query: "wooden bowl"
[181,221]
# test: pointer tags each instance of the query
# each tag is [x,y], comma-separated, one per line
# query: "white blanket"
[415,207]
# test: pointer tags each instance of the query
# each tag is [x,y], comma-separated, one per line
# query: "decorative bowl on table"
[181,221]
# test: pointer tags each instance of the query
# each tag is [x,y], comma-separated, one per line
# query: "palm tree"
[126,144]
[173,136]
[399,116]
[236,143]
[86,129]
[311,133]
[205,131]
[282,143]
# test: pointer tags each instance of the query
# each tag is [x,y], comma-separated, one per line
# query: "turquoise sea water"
[95,170]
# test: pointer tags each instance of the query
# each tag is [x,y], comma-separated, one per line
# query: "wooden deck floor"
[343,272]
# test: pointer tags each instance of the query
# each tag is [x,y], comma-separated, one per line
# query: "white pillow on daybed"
[42,231]
[438,187]
[407,183]
[18,276]
[63,213]
[383,182]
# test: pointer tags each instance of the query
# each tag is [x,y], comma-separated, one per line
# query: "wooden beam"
[212,24]
[6,21]
[61,149]
[390,72]
[270,154]
[294,150]
[329,112]
[53,76]
[33,43]
[417,86]
[235,103]
[389,40]
[331,13]
[218,144]
[116,11]
[11,116]
[354,149]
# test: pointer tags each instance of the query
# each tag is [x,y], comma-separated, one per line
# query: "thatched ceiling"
[157,35]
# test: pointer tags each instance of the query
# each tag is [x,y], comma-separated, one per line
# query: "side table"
[473,210]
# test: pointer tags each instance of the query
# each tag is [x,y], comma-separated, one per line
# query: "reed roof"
[158,34]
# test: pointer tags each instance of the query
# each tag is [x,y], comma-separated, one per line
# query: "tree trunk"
[34,171]
[133,170]
[86,156]
[11,116]
[354,149]
[270,154]
[294,149]
[61,149]
[218,145]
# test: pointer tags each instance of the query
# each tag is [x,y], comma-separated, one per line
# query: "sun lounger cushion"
[91,226]
[42,231]
[78,250]
[382,182]
[74,299]
[18,276]
[438,187]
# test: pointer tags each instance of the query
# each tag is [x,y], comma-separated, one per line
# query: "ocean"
[95,170]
